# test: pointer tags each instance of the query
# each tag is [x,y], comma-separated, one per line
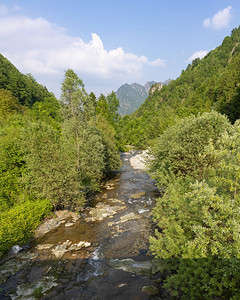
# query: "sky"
[111,42]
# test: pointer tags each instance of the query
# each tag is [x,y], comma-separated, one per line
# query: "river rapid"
[101,253]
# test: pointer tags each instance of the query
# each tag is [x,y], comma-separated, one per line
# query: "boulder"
[132,266]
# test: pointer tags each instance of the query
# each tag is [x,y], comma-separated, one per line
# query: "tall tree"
[113,104]
[74,96]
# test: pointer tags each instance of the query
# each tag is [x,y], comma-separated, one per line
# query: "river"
[101,253]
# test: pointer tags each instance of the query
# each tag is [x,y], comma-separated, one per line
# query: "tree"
[197,218]
[180,150]
[80,136]
[113,105]
[73,97]
[108,108]
[8,104]
[50,171]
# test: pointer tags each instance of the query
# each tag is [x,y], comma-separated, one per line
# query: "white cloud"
[199,54]
[220,20]
[39,47]
[207,22]
[158,62]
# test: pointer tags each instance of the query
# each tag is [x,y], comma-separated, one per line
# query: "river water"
[101,254]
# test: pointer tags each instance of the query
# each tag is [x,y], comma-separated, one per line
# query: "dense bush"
[198,217]
[17,224]
[181,149]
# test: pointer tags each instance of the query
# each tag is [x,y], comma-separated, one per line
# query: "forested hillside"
[210,83]
[193,128]
[53,154]
[23,87]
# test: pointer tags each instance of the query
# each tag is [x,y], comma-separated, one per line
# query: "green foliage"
[81,138]
[8,104]
[180,150]
[108,108]
[47,110]
[208,278]
[49,172]
[111,155]
[11,165]
[85,153]
[48,150]
[23,87]
[17,224]
[38,292]
[206,84]
[197,219]
[195,224]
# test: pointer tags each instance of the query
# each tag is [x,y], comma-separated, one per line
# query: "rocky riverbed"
[99,253]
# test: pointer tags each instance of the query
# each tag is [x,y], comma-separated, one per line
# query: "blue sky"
[110,42]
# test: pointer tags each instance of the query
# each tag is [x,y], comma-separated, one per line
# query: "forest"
[54,154]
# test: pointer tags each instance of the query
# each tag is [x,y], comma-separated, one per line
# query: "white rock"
[44,246]
[16,249]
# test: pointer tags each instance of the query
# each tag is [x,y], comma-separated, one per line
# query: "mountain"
[131,96]
[212,82]
[23,87]
[148,85]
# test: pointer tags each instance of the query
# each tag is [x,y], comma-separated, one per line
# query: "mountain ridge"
[131,96]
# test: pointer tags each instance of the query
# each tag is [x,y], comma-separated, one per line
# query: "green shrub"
[198,216]
[208,278]
[180,150]
[18,223]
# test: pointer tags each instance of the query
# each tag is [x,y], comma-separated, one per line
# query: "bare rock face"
[155,87]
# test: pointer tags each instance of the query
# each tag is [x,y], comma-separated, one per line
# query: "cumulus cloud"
[220,20]
[199,54]
[39,47]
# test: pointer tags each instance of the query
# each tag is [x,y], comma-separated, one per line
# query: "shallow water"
[114,266]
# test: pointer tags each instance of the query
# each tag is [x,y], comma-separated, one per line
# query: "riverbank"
[139,160]
[99,253]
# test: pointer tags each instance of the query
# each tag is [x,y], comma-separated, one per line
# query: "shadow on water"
[74,279]
[114,262]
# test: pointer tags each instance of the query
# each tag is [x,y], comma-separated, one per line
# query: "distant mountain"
[131,96]
[148,85]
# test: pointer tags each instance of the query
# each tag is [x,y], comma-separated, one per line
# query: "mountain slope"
[23,87]
[131,96]
[210,83]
